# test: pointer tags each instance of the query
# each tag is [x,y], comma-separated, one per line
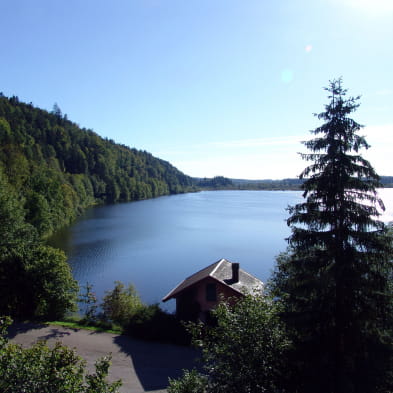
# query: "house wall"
[199,293]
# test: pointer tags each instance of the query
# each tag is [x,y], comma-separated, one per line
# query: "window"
[211,293]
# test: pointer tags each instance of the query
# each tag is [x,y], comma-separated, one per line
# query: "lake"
[155,244]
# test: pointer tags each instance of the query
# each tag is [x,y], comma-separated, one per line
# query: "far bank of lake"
[155,244]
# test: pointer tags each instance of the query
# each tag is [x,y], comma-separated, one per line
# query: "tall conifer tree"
[334,280]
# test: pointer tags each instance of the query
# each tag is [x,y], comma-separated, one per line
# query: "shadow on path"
[155,362]
[143,366]
[18,328]
[54,332]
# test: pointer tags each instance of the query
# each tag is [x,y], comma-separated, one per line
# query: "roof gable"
[222,272]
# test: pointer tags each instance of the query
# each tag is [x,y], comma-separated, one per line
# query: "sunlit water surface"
[155,244]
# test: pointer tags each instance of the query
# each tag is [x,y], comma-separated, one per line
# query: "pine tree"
[334,280]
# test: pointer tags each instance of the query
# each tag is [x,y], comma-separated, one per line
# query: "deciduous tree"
[42,369]
[121,303]
[242,353]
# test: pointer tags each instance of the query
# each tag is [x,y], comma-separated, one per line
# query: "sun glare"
[371,6]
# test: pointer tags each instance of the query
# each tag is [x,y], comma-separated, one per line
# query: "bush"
[120,304]
[43,369]
[36,282]
[190,382]
[242,353]
[152,323]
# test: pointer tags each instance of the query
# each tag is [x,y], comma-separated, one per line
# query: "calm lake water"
[155,244]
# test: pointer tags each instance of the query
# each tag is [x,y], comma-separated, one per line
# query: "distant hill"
[268,184]
[217,182]
[224,183]
[287,184]
[387,181]
[59,169]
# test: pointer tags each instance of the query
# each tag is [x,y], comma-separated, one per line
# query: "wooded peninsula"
[324,320]
[59,169]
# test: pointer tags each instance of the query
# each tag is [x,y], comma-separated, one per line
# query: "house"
[201,292]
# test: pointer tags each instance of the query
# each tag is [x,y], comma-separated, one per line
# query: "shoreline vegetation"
[58,169]
[51,170]
[289,184]
[334,276]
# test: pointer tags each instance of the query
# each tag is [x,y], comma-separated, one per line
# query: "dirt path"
[142,366]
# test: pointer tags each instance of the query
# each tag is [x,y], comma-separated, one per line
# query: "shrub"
[242,353]
[152,323]
[43,369]
[120,304]
[190,382]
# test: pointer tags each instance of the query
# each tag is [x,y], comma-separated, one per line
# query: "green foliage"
[50,171]
[120,304]
[35,280]
[14,231]
[35,283]
[60,169]
[191,382]
[123,310]
[43,369]
[52,283]
[153,324]
[335,280]
[89,299]
[5,322]
[243,352]
[95,325]
[217,182]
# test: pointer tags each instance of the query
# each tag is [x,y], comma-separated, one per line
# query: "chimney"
[235,272]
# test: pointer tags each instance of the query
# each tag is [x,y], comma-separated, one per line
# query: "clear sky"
[216,87]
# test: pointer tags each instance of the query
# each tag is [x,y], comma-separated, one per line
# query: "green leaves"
[120,304]
[42,369]
[36,283]
[35,280]
[242,352]
[61,169]
[190,382]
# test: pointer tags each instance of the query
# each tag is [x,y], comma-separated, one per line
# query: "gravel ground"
[142,366]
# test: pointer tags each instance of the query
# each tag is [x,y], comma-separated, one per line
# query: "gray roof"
[222,272]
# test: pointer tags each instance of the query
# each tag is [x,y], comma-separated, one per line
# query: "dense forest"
[58,168]
[324,322]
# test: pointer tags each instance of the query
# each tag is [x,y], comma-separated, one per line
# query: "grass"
[77,322]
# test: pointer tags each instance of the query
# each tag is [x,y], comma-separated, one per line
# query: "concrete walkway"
[142,366]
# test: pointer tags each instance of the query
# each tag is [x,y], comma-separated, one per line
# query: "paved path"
[142,366]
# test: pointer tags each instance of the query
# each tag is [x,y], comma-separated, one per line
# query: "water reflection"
[155,244]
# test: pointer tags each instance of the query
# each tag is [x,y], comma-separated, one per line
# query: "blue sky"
[216,87]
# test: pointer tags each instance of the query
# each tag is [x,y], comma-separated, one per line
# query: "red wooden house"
[201,292]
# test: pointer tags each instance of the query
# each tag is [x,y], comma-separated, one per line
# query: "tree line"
[324,323]
[60,168]
[50,171]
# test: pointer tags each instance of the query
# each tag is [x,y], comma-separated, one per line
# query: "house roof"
[222,272]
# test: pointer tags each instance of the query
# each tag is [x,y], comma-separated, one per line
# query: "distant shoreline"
[290,184]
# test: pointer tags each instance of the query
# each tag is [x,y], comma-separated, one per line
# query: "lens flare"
[287,76]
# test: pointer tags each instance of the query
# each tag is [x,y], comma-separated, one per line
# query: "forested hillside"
[58,168]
